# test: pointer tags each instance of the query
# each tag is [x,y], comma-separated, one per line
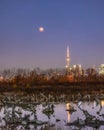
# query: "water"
[86,115]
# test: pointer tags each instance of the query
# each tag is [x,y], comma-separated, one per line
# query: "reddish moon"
[41,29]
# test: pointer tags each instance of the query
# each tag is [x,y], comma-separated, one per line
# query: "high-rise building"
[101,69]
[77,69]
[67,58]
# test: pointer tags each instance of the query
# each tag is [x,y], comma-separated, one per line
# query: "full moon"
[41,29]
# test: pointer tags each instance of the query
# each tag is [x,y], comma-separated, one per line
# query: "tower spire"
[67,58]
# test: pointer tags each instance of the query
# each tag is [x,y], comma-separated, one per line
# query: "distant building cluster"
[77,70]
[74,72]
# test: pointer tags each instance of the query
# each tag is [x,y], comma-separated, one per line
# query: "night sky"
[77,23]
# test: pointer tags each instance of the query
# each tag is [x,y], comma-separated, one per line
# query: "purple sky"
[77,23]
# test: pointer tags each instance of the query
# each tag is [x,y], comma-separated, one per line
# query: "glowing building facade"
[77,69]
[101,69]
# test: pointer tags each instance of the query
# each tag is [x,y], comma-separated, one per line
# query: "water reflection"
[102,103]
[68,113]
[48,115]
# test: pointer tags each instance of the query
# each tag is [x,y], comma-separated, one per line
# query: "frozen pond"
[86,115]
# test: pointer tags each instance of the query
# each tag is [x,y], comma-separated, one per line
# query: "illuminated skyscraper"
[101,69]
[67,58]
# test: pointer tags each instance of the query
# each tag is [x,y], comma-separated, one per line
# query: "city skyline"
[78,24]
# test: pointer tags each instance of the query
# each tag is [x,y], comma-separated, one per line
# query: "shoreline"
[66,88]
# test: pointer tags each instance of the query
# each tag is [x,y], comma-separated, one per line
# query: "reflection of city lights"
[68,113]
[67,106]
[68,117]
[102,103]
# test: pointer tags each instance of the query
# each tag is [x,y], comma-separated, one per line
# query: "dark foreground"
[66,88]
[58,93]
[48,111]
[49,107]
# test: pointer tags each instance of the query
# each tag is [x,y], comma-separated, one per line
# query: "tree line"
[28,78]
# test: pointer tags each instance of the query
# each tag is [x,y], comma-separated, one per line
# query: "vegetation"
[26,80]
